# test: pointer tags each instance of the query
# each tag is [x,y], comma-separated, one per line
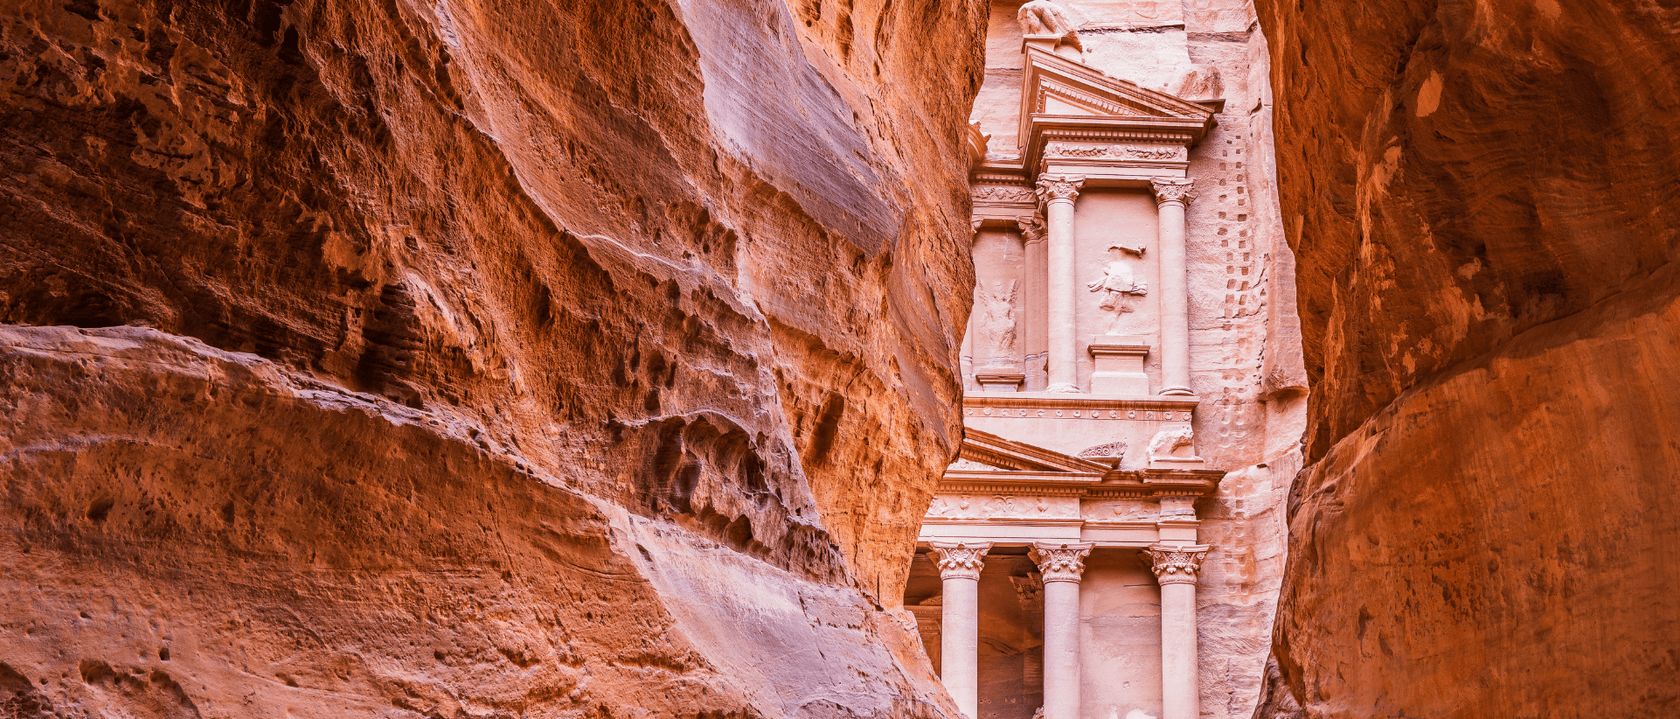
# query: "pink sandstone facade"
[1109,543]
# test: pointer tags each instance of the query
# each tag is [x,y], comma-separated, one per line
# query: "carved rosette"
[1061,562]
[1179,191]
[961,560]
[1176,564]
[1054,188]
[1032,228]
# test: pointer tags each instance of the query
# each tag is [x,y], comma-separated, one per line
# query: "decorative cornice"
[1061,562]
[1176,564]
[1023,404]
[1173,190]
[960,560]
[1052,188]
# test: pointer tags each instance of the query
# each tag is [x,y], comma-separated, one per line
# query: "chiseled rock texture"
[475,359]
[1481,197]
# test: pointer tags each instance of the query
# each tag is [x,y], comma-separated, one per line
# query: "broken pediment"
[1054,85]
[984,451]
[1063,100]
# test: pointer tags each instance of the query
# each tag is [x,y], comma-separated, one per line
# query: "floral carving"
[1061,562]
[1180,191]
[1002,193]
[1032,228]
[1175,564]
[961,560]
[1119,152]
[1052,188]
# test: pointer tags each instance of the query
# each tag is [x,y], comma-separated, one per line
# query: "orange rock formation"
[475,358]
[1482,202]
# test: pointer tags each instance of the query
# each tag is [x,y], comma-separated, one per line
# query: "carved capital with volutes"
[1179,191]
[1052,188]
[1176,564]
[1060,562]
[960,560]
[1032,228]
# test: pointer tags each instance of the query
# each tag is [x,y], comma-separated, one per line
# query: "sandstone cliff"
[475,358]
[1482,202]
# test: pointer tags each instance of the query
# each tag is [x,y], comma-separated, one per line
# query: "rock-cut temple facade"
[1108,542]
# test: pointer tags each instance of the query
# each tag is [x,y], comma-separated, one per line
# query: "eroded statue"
[1043,17]
[997,317]
[1118,283]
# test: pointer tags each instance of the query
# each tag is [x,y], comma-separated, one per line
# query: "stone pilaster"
[1172,196]
[1058,193]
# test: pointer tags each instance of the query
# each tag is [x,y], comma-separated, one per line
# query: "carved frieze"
[1003,507]
[1002,193]
[1109,151]
[1026,411]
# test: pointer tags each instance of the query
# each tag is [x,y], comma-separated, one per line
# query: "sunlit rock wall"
[1482,201]
[475,358]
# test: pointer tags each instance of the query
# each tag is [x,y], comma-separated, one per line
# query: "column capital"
[1181,191]
[1176,563]
[1058,187]
[1060,562]
[1032,228]
[960,560]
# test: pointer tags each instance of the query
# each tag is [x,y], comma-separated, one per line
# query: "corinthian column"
[959,621]
[1062,565]
[1058,192]
[1171,197]
[1034,295]
[1175,568]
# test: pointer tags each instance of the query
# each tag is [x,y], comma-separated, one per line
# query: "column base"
[1063,387]
[1178,391]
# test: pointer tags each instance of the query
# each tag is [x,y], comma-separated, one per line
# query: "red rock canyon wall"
[1481,197]
[465,358]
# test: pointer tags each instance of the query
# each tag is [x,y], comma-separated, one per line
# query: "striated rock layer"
[1481,199]
[475,358]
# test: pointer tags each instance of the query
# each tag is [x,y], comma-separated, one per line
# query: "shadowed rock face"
[1482,203]
[482,359]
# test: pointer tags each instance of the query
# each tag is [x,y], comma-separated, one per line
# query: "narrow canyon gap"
[464,358]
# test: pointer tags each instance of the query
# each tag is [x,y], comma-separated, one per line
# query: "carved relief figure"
[997,319]
[1118,282]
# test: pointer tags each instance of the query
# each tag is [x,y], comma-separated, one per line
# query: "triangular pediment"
[1054,85]
[982,450]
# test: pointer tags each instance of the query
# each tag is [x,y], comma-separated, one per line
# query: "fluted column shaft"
[1171,197]
[1058,192]
[959,642]
[1062,566]
[1176,567]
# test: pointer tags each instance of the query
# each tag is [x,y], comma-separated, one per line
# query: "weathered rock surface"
[1482,203]
[475,359]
